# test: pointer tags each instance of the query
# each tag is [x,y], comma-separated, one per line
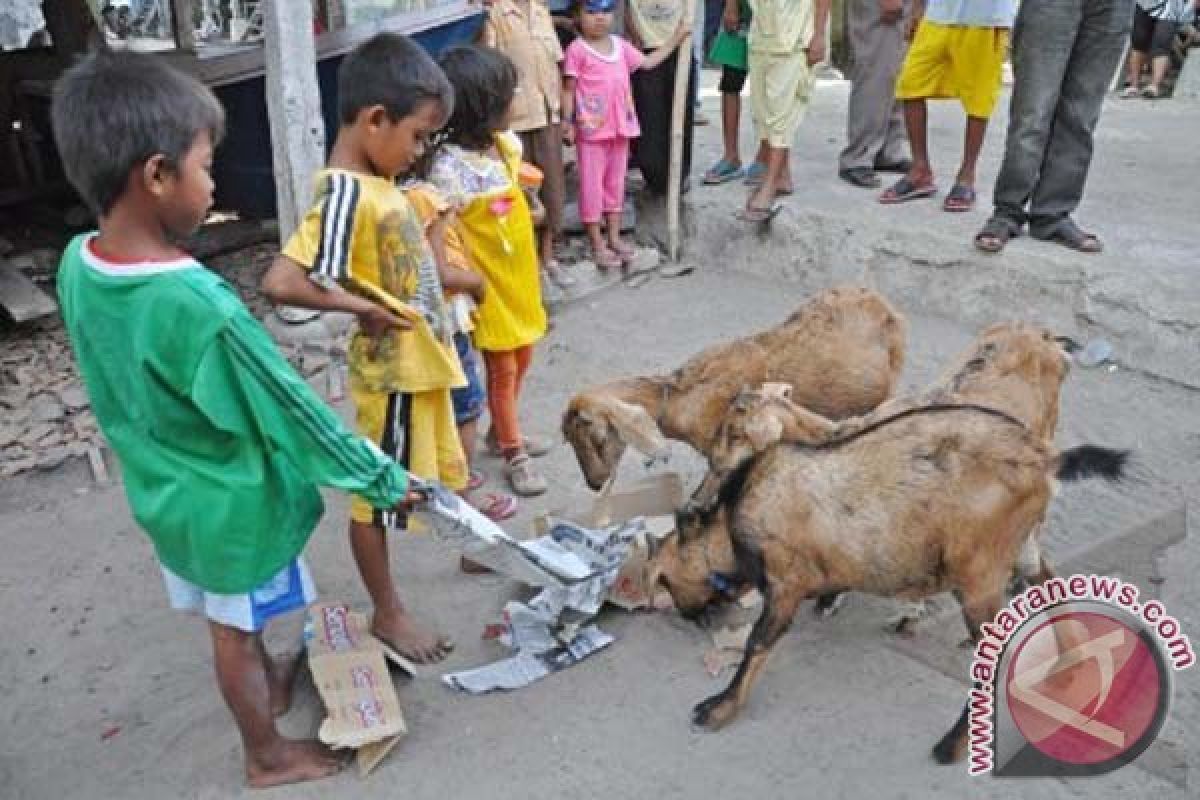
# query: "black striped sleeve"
[339,207]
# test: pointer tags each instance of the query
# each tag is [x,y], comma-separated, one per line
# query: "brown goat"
[842,352]
[930,501]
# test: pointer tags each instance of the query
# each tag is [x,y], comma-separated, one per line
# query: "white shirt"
[972,13]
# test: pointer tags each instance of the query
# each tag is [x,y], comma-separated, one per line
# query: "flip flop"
[496,506]
[723,172]
[755,174]
[904,190]
[760,216]
[475,479]
[995,234]
[606,260]
[960,198]
[1070,235]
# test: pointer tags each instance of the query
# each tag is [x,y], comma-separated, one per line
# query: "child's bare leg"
[613,220]
[281,676]
[391,621]
[596,237]
[242,675]
[972,145]
[777,168]
[764,153]
[731,113]
[915,122]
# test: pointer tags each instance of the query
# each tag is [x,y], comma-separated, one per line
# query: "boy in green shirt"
[222,445]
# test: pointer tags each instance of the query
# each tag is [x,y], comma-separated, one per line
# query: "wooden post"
[183,23]
[683,68]
[293,106]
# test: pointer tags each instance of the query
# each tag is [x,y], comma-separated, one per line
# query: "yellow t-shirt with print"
[363,234]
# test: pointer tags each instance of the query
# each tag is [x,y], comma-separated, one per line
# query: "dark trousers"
[653,93]
[1064,54]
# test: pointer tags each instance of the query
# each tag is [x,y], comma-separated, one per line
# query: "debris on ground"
[576,567]
[1096,353]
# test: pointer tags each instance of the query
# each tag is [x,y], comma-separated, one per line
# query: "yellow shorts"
[780,88]
[955,61]
[417,430]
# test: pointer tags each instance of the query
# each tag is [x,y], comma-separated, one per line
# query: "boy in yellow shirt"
[363,239]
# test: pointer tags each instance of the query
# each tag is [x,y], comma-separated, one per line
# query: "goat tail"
[1090,461]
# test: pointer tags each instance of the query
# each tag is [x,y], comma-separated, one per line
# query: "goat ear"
[636,427]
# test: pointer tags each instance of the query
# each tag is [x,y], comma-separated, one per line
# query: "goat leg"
[779,607]
[976,611]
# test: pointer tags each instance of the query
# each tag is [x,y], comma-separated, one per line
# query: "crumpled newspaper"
[575,568]
[551,631]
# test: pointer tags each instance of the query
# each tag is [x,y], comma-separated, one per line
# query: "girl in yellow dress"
[477,170]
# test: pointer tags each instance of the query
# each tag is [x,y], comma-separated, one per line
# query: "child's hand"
[478,291]
[816,49]
[375,321]
[411,501]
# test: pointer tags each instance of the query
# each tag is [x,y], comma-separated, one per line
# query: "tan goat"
[1012,367]
[842,352]
[931,501]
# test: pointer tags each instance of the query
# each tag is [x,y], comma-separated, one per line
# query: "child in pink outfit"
[598,103]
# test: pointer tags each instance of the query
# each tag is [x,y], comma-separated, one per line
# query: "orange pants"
[505,372]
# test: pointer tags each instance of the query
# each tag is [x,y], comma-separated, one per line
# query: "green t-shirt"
[222,445]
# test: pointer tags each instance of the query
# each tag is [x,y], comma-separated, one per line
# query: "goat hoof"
[829,604]
[905,627]
[714,713]
[947,751]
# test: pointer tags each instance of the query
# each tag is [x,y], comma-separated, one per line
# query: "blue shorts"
[470,400]
[290,590]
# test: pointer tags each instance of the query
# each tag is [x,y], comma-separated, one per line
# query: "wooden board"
[20,297]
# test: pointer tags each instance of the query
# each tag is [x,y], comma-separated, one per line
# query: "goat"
[842,352]
[1012,367]
[930,500]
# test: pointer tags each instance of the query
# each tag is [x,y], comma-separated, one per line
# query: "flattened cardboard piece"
[370,755]
[351,675]
[655,499]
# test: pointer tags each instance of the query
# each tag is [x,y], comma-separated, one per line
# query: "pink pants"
[602,167]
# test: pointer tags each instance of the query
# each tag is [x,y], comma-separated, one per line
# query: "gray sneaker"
[524,477]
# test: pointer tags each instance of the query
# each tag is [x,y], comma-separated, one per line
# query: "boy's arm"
[246,388]
[568,109]
[816,46]
[454,279]
[288,283]
[918,13]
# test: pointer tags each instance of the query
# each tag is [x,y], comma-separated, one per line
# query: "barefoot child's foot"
[281,677]
[291,762]
[399,632]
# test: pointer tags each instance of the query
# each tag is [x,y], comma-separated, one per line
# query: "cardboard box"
[655,499]
[351,675]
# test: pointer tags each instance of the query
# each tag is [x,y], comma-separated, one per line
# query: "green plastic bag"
[731,49]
